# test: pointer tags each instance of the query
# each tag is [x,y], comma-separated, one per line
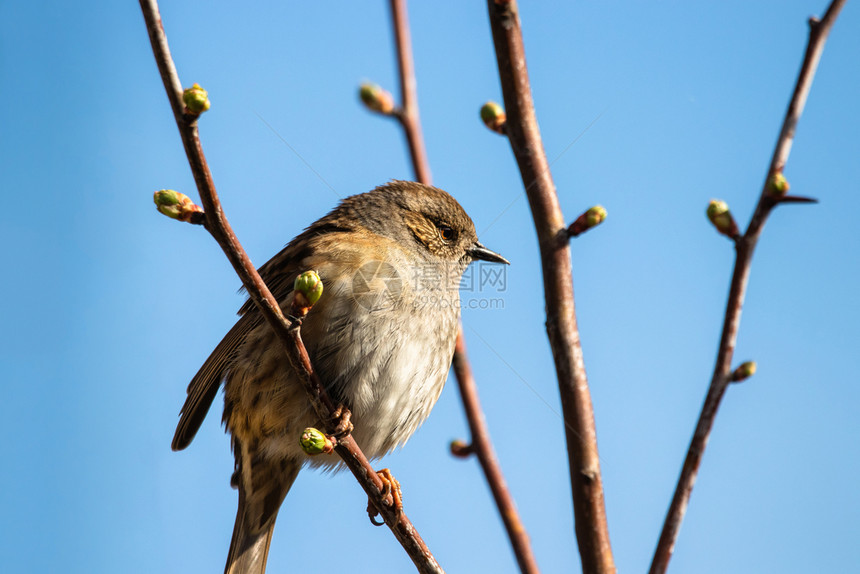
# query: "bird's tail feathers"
[262,485]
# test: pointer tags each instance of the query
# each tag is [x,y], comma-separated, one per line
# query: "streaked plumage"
[381,337]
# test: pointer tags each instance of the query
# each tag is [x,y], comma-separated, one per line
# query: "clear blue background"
[109,308]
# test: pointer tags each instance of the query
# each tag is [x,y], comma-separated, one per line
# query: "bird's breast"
[383,344]
[381,338]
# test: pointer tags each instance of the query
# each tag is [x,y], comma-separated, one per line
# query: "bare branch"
[408,112]
[482,447]
[481,444]
[745,245]
[592,532]
[286,331]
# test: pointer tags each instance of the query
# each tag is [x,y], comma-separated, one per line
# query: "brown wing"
[278,273]
[204,386]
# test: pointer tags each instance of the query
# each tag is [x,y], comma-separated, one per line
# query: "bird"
[381,337]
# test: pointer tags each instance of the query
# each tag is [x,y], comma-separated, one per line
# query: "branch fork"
[772,194]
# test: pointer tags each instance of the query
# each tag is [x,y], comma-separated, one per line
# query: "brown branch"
[408,111]
[745,245]
[287,332]
[481,444]
[482,447]
[592,531]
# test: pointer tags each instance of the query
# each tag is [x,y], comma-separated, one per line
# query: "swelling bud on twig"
[591,218]
[308,289]
[719,214]
[376,99]
[777,185]
[196,100]
[460,449]
[314,441]
[494,117]
[177,205]
[744,371]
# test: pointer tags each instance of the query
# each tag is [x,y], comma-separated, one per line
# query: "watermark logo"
[485,278]
[379,286]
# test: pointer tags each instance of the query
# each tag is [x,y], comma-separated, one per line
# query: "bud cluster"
[593,217]
[308,289]
[744,371]
[314,441]
[719,214]
[777,186]
[376,99]
[493,116]
[175,205]
[196,100]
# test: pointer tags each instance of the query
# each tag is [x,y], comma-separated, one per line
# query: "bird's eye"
[446,233]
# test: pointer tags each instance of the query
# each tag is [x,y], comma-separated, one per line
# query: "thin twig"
[288,333]
[408,111]
[818,31]
[481,445]
[592,531]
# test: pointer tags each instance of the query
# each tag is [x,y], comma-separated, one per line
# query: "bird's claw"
[340,421]
[391,494]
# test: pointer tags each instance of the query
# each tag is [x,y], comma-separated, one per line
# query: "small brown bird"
[381,338]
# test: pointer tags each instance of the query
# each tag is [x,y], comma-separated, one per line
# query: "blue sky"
[109,308]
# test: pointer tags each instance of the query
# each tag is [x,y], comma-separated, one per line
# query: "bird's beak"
[478,251]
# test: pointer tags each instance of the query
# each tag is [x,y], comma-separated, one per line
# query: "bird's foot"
[340,421]
[391,494]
